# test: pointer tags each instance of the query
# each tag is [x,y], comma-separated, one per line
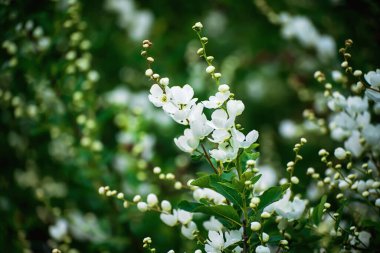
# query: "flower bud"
[197,26]
[340,153]
[166,206]
[142,206]
[210,69]
[164,81]
[149,72]
[255,226]
[152,200]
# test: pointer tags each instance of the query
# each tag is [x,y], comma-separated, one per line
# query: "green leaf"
[228,191]
[225,212]
[255,179]
[271,195]
[318,211]
[204,181]
[196,157]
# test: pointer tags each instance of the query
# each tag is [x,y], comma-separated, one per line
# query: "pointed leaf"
[271,195]
[228,191]
[225,212]
[318,211]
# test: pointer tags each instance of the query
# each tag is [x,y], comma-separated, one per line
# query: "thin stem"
[208,159]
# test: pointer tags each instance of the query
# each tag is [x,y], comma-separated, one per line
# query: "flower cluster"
[221,129]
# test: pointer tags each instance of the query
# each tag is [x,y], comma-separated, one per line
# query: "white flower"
[373,78]
[245,141]
[59,229]
[169,219]
[225,152]
[217,243]
[353,144]
[187,142]
[262,249]
[184,217]
[301,28]
[371,134]
[235,108]
[220,120]
[188,230]
[363,238]
[268,178]
[180,104]
[157,96]
[213,224]
[219,98]
[357,104]
[198,122]
[326,47]
[291,210]
[337,103]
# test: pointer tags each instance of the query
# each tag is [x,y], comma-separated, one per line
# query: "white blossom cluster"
[180,104]
[137,22]
[302,29]
[351,123]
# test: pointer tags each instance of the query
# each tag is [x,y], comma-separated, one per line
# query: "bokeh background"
[74,113]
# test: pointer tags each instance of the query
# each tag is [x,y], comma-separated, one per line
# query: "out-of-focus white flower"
[354,145]
[291,210]
[373,79]
[262,249]
[288,129]
[209,194]
[326,48]
[118,96]
[184,217]
[303,30]
[169,219]
[189,229]
[361,241]
[337,103]
[268,178]
[213,224]
[59,229]
[136,22]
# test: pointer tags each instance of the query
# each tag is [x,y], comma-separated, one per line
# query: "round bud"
[152,199]
[142,206]
[255,226]
[210,69]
